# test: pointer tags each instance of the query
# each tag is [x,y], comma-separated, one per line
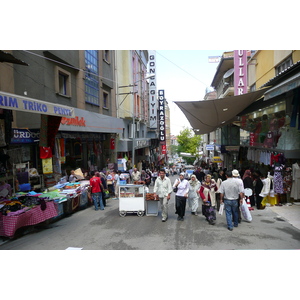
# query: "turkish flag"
[112,144]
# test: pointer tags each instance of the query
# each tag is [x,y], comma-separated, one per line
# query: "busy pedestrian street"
[107,230]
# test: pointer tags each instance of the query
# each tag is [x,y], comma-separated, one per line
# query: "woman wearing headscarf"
[181,195]
[193,196]
[248,184]
[208,195]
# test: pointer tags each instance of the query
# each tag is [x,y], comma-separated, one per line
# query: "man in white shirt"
[163,188]
[136,175]
[237,177]
[230,192]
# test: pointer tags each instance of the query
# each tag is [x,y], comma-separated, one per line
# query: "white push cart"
[131,199]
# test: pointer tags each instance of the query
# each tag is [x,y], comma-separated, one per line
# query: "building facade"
[62,101]
[132,99]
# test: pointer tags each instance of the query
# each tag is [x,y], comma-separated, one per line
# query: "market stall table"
[9,224]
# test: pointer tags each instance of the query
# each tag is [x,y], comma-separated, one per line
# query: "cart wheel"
[140,213]
[122,213]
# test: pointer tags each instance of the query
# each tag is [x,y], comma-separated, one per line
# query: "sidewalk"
[290,213]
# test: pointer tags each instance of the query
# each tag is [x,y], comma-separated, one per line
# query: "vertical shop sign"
[162,116]
[240,72]
[152,92]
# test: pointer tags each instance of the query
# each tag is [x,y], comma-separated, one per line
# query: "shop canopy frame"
[206,116]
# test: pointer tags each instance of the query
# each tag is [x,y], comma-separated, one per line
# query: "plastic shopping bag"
[245,211]
[221,210]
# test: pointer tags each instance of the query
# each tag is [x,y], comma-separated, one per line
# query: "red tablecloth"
[9,224]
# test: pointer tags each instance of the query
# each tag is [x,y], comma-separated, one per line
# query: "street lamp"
[133,116]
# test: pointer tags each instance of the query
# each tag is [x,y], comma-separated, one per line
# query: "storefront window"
[263,126]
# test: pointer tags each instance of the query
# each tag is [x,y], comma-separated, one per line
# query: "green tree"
[188,142]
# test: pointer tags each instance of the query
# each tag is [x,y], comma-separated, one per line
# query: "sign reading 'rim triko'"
[20,103]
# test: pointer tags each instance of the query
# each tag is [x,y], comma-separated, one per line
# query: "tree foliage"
[188,141]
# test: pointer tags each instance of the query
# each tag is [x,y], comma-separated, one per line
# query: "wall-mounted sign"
[240,72]
[152,91]
[25,136]
[77,121]
[16,102]
[161,116]
[210,147]
[217,159]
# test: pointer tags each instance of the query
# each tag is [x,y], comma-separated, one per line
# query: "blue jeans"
[231,210]
[97,198]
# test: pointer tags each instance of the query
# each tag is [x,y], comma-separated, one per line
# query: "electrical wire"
[181,69]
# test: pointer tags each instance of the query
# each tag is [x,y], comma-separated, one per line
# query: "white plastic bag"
[245,211]
[221,209]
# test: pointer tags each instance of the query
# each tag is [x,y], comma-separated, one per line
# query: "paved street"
[106,230]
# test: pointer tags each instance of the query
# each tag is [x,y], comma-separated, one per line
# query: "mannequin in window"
[295,192]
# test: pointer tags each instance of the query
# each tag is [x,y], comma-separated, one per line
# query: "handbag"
[175,189]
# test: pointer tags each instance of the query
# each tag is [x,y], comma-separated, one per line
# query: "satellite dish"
[228,73]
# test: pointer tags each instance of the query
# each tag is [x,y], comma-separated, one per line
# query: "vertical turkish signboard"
[240,72]
[152,92]
[162,116]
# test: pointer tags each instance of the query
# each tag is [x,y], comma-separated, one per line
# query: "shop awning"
[19,103]
[207,115]
[283,87]
[87,121]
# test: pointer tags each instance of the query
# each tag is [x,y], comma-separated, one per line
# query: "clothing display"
[295,192]
[289,138]
[287,180]
[278,179]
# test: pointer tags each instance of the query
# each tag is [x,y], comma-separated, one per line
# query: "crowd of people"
[211,188]
[206,187]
